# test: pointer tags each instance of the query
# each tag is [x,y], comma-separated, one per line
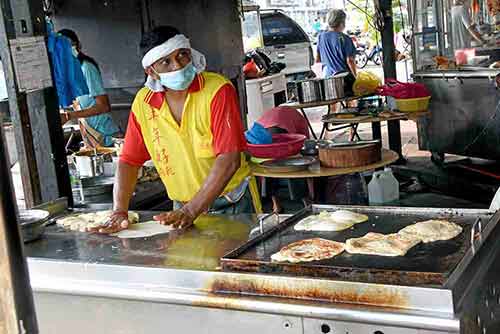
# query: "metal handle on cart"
[478,223]
[262,219]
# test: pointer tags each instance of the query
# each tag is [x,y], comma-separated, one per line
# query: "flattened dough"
[432,230]
[83,221]
[330,221]
[143,230]
[349,216]
[394,244]
[308,250]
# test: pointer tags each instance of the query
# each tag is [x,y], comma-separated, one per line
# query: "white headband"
[163,50]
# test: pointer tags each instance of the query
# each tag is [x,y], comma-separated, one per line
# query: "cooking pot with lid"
[309,90]
[333,87]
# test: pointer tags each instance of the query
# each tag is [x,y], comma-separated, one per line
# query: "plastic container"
[383,188]
[495,202]
[284,145]
[413,105]
[75,180]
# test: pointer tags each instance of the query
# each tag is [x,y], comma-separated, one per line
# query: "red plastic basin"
[284,145]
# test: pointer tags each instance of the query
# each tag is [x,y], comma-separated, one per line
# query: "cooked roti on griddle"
[84,221]
[394,244]
[330,221]
[432,230]
[308,250]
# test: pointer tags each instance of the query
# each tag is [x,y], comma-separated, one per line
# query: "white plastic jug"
[383,188]
[495,203]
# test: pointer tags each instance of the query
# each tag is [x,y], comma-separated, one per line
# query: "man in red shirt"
[187,121]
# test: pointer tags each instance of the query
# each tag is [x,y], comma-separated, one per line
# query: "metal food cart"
[465,98]
[179,283]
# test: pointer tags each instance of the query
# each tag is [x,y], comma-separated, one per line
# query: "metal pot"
[333,87]
[89,165]
[309,90]
[32,223]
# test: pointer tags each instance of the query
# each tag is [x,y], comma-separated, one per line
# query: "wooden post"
[17,311]
[389,63]
[38,132]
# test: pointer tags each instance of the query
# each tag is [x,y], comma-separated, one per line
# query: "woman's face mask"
[178,80]
[74,51]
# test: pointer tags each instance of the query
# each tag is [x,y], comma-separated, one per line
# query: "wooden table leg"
[394,131]
[376,130]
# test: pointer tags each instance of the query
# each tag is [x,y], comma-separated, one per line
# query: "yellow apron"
[183,155]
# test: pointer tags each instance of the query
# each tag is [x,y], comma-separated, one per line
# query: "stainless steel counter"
[470,72]
[198,248]
[86,282]
[463,116]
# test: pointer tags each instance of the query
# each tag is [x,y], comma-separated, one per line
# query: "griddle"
[436,264]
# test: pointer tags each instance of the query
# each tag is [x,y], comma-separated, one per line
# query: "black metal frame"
[16,299]
[433,264]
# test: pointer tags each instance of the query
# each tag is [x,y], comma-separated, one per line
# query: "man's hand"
[64,117]
[76,105]
[181,218]
[117,222]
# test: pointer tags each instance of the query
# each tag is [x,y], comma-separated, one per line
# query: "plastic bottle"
[383,188]
[75,180]
[495,203]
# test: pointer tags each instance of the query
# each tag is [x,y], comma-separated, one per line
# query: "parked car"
[286,42]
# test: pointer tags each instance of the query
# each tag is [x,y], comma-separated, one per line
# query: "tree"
[362,11]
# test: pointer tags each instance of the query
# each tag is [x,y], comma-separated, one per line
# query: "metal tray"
[432,264]
[294,164]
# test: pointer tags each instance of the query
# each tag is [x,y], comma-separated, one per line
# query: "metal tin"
[89,166]
[90,163]
[309,90]
[32,223]
[333,87]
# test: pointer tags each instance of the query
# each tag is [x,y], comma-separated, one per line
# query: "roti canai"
[394,244]
[432,230]
[330,221]
[84,221]
[308,250]
[143,230]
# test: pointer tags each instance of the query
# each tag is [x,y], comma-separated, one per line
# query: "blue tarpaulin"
[66,69]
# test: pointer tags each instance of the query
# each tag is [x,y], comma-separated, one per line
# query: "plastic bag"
[403,90]
[258,135]
[317,68]
[366,83]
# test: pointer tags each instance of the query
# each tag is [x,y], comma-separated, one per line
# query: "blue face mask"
[178,80]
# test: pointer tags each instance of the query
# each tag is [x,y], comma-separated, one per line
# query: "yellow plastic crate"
[413,105]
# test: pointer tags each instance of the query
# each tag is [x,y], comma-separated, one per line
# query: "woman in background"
[335,49]
[92,110]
